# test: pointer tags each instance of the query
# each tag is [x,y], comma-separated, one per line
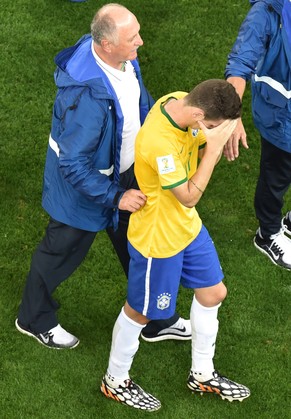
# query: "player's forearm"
[199,181]
[190,192]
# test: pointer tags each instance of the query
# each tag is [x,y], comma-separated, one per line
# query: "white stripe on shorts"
[147,287]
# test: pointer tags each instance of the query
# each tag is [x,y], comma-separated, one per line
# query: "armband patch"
[166,164]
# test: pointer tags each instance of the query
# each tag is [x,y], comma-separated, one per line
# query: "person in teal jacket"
[89,182]
[262,54]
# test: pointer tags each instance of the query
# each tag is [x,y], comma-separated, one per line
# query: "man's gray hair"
[103,26]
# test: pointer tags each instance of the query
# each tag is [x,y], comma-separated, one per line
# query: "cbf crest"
[163,301]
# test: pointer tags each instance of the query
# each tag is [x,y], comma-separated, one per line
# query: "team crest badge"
[163,301]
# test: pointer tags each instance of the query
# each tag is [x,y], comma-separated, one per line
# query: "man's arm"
[190,192]
[231,148]
[83,160]
[239,84]
[132,200]
[249,47]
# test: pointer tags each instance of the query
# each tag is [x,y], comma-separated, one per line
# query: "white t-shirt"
[127,91]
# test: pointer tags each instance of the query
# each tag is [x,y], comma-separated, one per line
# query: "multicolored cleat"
[225,388]
[130,394]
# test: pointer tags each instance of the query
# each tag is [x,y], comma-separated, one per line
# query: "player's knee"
[212,296]
[221,293]
[135,315]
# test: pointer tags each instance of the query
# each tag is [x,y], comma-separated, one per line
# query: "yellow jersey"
[165,156]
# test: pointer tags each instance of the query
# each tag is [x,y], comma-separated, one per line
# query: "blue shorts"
[153,283]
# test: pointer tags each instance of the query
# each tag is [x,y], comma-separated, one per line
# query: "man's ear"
[198,115]
[106,45]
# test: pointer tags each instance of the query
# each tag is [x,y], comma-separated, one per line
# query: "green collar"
[164,112]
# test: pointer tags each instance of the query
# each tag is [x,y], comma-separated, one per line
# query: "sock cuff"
[128,319]
[205,308]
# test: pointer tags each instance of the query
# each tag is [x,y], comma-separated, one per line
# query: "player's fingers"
[228,126]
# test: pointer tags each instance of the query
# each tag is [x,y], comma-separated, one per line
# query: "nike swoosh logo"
[276,257]
[171,330]
[45,338]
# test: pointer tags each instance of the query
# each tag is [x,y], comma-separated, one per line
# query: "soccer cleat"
[219,385]
[130,394]
[181,330]
[56,338]
[277,247]
[286,223]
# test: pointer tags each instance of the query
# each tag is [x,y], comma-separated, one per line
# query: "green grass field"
[185,42]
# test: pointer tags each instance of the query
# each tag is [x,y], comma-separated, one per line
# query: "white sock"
[204,325]
[125,343]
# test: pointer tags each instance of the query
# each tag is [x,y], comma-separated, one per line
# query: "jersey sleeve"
[169,168]
[170,171]
[201,139]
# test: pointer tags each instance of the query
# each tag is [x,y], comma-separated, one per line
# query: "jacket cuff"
[117,198]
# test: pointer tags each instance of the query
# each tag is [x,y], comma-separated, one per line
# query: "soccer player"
[168,243]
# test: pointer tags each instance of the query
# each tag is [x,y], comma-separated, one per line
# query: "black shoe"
[56,338]
[277,247]
[130,394]
[181,330]
[222,386]
[286,223]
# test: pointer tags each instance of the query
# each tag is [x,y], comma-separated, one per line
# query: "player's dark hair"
[217,98]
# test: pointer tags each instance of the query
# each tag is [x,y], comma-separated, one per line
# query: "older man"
[89,177]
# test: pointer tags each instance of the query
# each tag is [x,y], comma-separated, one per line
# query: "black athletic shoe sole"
[166,336]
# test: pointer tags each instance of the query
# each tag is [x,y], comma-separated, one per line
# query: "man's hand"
[132,200]
[218,136]
[231,148]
